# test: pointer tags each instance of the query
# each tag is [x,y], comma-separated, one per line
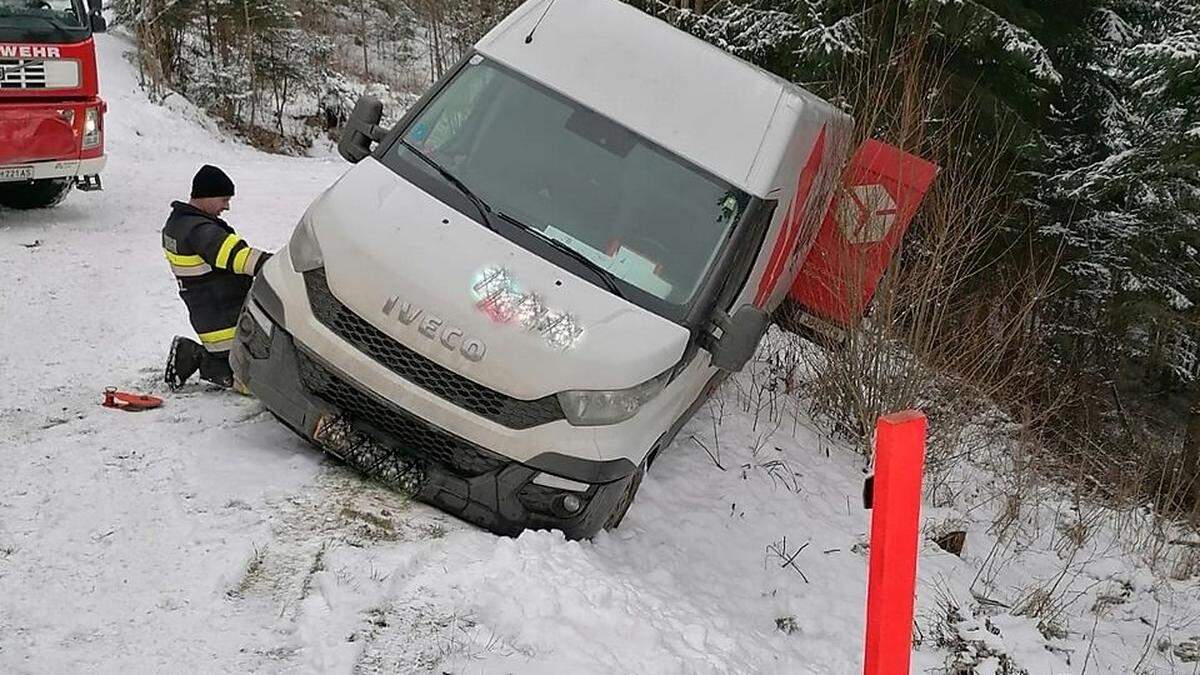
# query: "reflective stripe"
[251,263]
[187,265]
[183,260]
[192,271]
[239,261]
[222,346]
[226,249]
[223,335]
[218,340]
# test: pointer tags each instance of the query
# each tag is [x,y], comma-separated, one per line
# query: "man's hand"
[263,257]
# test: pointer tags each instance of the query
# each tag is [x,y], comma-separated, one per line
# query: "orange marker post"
[895,520]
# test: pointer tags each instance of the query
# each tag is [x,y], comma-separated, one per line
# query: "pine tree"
[1095,104]
[1125,199]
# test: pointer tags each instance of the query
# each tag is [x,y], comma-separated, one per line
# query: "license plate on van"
[11,173]
[333,434]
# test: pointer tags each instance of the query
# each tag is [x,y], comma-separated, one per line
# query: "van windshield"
[647,217]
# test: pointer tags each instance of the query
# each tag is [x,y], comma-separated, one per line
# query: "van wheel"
[37,194]
[618,513]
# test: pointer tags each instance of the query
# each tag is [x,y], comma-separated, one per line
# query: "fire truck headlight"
[91,128]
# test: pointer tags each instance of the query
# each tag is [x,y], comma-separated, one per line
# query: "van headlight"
[303,248]
[594,408]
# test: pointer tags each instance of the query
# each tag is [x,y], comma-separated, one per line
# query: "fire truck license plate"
[9,173]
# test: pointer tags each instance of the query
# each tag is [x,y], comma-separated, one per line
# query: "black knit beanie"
[211,182]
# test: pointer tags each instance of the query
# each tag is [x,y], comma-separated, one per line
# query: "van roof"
[688,96]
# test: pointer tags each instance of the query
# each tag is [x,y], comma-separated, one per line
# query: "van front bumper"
[393,445]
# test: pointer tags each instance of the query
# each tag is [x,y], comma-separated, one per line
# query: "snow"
[844,36]
[1011,38]
[1115,29]
[204,535]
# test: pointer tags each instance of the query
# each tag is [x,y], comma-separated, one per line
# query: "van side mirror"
[740,335]
[362,130]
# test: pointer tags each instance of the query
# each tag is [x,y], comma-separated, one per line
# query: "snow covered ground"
[204,537]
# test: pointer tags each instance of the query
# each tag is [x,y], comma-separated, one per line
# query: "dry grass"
[954,329]
[948,329]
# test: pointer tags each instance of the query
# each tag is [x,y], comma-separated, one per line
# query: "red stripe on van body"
[785,243]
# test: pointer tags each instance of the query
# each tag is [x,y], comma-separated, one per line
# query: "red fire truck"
[51,115]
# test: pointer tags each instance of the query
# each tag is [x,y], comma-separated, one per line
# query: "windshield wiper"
[606,276]
[485,211]
[482,206]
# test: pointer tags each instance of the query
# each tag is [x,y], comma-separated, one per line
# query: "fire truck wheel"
[38,194]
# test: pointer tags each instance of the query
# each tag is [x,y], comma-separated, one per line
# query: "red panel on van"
[866,220]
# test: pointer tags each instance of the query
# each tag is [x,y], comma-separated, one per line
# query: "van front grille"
[511,412]
[411,435]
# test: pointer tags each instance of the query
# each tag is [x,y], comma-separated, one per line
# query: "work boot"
[215,369]
[184,360]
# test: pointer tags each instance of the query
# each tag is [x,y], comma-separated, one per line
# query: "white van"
[519,294]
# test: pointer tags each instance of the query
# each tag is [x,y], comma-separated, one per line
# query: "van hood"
[470,300]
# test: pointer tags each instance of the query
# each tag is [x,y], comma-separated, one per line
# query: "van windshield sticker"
[729,209]
[498,295]
[419,132]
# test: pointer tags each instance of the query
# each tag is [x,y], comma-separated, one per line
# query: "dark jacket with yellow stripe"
[214,268]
